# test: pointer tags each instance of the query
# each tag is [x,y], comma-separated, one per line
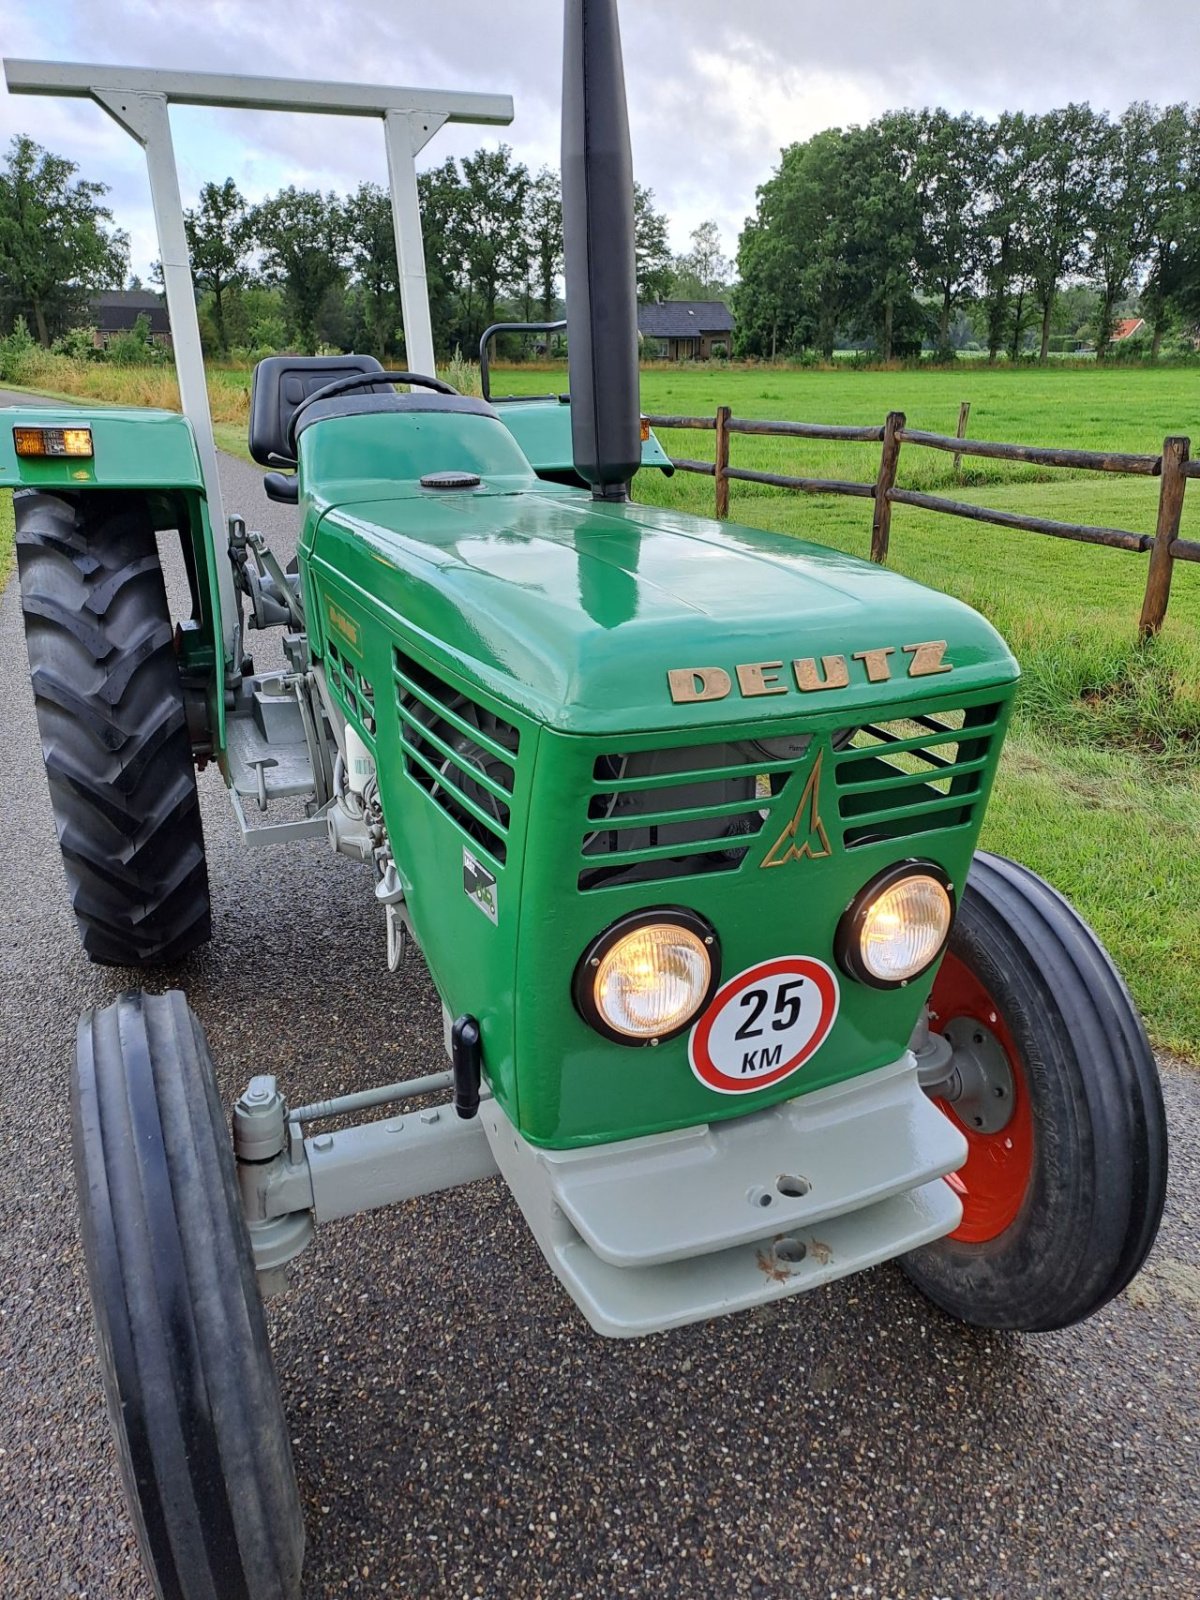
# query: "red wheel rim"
[994,1180]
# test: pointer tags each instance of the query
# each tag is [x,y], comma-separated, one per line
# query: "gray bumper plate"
[653,1233]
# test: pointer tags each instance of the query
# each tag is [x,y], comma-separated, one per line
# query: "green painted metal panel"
[575,1086]
[134,449]
[574,612]
[562,618]
[542,428]
[149,450]
[471,958]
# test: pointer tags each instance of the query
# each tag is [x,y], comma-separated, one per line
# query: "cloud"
[715,90]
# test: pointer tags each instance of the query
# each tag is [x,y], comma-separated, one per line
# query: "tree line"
[920,229]
[306,270]
[890,232]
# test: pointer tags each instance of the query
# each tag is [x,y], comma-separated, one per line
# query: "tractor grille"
[913,775]
[355,693]
[461,754]
[670,813]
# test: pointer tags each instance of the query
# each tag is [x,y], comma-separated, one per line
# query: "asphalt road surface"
[458,1430]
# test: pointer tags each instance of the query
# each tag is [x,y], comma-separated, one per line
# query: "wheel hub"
[980,1083]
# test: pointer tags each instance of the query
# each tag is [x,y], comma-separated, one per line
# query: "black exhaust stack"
[597,194]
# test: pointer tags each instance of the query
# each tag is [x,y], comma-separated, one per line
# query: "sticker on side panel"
[479,885]
[764,1024]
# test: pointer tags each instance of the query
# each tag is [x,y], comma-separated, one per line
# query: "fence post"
[1170,509]
[722,462]
[964,413]
[881,522]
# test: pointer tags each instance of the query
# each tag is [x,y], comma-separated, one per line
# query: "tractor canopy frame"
[139,98]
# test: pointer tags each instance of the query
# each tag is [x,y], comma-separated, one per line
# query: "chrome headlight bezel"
[583,983]
[848,947]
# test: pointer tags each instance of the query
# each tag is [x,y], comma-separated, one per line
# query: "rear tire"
[192,1395]
[114,733]
[1062,1203]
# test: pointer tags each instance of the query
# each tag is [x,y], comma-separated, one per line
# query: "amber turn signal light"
[53,441]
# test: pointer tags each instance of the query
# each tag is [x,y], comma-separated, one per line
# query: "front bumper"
[657,1232]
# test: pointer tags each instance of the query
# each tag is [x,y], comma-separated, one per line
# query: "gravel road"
[458,1430]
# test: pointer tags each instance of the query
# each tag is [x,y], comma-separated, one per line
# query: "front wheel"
[201,1436]
[1065,1176]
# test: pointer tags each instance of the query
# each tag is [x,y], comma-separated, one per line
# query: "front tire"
[1062,1202]
[114,733]
[192,1396]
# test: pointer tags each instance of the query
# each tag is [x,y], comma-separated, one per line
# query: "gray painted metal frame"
[138,98]
[646,1233]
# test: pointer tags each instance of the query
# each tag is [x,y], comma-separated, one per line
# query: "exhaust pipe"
[598,240]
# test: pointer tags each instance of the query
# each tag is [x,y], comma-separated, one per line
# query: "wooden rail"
[1173,467]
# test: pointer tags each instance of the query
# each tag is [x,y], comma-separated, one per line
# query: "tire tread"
[1099,1184]
[195,1406]
[113,727]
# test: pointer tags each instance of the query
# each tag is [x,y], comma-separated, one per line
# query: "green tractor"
[681,815]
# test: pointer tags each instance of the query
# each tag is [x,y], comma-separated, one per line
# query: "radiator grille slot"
[662,814]
[461,754]
[912,775]
[355,693]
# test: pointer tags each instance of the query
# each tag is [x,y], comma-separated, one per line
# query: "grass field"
[1100,784]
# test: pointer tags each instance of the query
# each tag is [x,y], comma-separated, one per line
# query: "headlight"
[646,977]
[897,927]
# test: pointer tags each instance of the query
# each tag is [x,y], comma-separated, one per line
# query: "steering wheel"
[359,380]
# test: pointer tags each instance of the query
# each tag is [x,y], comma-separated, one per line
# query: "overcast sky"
[715,89]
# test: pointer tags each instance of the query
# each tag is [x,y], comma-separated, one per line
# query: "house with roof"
[687,330]
[115,311]
[1126,328]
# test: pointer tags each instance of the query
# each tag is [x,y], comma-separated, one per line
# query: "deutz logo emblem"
[805,836]
[810,674]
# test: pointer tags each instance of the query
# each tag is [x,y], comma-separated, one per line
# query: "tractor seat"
[280,383]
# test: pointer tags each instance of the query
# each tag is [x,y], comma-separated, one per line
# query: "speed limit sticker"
[764,1024]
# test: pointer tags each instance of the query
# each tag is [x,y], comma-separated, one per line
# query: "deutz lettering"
[812,674]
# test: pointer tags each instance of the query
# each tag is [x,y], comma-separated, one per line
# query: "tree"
[1117,213]
[302,235]
[438,191]
[1063,150]
[255,318]
[1172,200]
[950,173]
[218,236]
[57,243]
[764,299]
[489,230]
[544,238]
[651,248]
[876,210]
[1004,232]
[372,242]
[793,256]
[703,273]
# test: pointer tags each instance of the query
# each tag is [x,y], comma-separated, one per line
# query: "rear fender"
[153,453]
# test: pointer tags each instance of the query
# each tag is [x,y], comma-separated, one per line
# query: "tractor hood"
[593,617]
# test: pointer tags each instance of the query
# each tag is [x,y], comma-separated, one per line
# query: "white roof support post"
[139,97]
[407,133]
[145,116]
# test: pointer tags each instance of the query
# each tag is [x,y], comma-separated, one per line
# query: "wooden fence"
[1172,468]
